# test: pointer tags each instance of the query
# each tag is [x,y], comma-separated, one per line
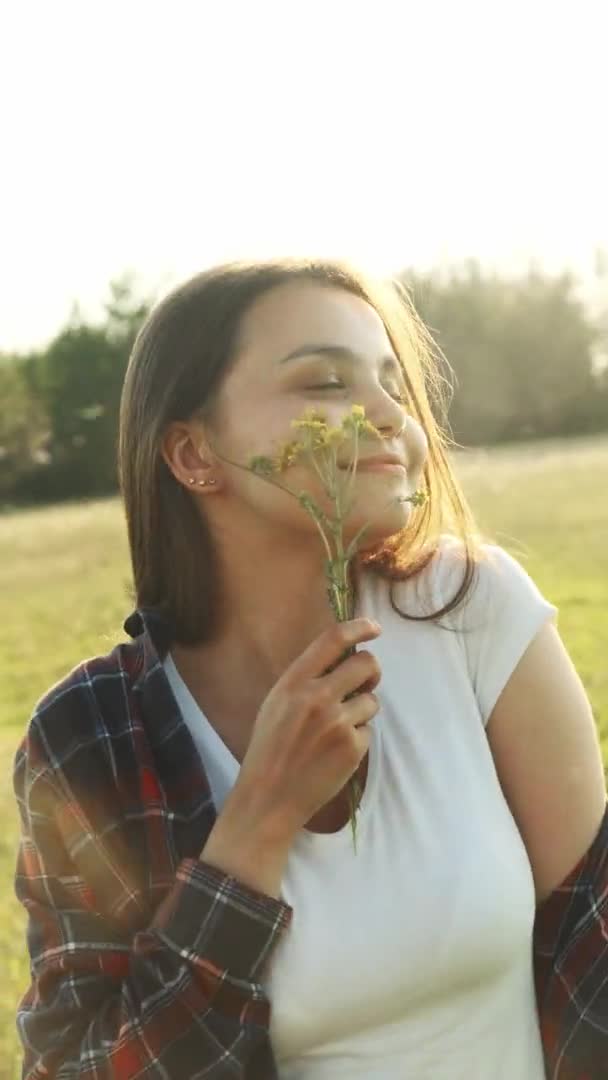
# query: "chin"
[392,521]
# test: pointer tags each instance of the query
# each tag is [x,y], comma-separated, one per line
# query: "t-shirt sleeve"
[503,613]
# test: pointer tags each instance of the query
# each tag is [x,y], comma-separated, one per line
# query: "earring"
[201,483]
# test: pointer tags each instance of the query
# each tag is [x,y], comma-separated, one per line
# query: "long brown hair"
[178,361]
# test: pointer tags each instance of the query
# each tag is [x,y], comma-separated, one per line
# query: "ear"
[187,453]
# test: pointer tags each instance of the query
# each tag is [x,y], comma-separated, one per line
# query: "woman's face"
[268,387]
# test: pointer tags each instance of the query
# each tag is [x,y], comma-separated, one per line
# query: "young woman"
[195,905]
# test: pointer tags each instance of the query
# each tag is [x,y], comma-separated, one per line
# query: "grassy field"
[64,583]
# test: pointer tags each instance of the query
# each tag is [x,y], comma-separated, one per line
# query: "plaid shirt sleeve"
[571,968]
[172,995]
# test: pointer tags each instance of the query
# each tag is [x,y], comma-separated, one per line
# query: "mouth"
[381,467]
[378,466]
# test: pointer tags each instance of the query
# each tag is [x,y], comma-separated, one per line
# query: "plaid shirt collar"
[153,628]
[178,763]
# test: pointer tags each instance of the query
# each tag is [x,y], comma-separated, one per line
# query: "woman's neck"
[271,609]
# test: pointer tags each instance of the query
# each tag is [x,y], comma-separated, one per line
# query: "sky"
[161,138]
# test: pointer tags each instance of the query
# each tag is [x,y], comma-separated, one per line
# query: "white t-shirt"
[412,960]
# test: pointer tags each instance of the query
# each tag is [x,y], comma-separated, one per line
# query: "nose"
[401,429]
[387,415]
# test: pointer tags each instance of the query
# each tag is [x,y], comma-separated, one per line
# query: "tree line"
[521,358]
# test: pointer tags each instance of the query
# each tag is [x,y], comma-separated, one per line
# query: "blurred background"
[459,147]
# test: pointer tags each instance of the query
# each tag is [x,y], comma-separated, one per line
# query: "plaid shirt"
[145,960]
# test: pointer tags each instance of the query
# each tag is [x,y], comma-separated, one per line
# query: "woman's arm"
[178,996]
[547,756]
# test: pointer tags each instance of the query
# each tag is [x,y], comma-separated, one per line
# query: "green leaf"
[262,465]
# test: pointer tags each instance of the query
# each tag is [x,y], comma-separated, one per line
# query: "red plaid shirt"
[145,960]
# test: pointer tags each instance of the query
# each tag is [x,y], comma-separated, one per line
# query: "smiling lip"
[380,466]
[390,462]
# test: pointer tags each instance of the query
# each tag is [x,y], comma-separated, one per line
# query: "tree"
[520,352]
[79,381]
[23,424]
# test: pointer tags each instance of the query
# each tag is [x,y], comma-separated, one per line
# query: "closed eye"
[327,386]
[340,386]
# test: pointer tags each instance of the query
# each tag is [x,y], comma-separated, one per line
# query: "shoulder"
[492,564]
[495,610]
[90,705]
[78,785]
[493,588]
[498,582]
[441,571]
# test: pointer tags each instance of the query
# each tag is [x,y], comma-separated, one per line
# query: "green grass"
[65,576]
[548,505]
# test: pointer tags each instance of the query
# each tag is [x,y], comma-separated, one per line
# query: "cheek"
[262,433]
[244,429]
[417,444]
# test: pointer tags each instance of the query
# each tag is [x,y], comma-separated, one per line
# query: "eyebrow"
[340,352]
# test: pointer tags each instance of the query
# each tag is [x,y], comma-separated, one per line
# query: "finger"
[327,649]
[361,710]
[363,738]
[358,673]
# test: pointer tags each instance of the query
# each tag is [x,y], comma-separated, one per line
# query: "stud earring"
[201,483]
